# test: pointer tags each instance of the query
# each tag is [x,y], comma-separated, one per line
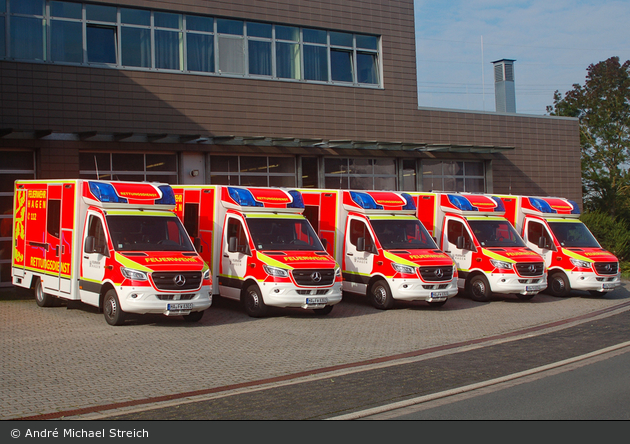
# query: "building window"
[256,171]
[444,175]
[137,167]
[58,31]
[16,165]
[360,174]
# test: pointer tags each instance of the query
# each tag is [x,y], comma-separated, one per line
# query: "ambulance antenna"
[96,165]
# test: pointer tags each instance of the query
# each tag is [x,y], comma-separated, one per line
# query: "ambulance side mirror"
[89,244]
[361,244]
[233,245]
[541,242]
[197,244]
[324,243]
[461,242]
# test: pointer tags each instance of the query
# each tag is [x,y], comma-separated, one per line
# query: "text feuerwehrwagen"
[84,433]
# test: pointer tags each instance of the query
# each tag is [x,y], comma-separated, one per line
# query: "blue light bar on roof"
[168,195]
[461,203]
[576,208]
[365,201]
[243,197]
[500,208]
[541,205]
[105,192]
[298,202]
[410,205]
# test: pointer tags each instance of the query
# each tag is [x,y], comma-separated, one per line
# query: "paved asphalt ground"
[67,363]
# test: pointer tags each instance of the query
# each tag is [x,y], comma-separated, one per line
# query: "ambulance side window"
[235,230]
[53,223]
[536,230]
[95,229]
[456,229]
[359,229]
[191,219]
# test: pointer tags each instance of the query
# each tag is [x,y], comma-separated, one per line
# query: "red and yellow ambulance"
[575,260]
[114,245]
[383,249]
[491,257]
[262,250]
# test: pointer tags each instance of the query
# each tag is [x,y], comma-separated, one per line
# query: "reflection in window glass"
[101,44]
[100,13]
[315,63]
[253,164]
[66,38]
[136,47]
[259,30]
[200,52]
[127,162]
[287,60]
[167,44]
[160,162]
[314,36]
[27,38]
[453,176]
[366,68]
[30,7]
[135,16]
[281,181]
[341,65]
[167,20]
[94,161]
[287,33]
[234,27]
[3,5]
[259,58]
[2,38]
[224,164]
[66,9]
[197,23]
[366,41]
[341,39]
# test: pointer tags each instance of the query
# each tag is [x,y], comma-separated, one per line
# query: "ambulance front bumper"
[504,283]
[143,300]
[417,290]
[593,282]
[287,295]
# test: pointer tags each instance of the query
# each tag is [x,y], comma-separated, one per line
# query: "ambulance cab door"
[94,254]
[358,258]
[234,257]
[539,239]
[455,230]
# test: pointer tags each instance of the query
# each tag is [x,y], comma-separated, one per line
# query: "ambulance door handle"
[349,254]
[57,251]
[226,255]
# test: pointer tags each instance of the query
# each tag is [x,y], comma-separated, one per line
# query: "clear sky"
[552,41]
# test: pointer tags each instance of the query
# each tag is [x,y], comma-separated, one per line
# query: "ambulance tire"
[380,295]
[558,285]
[253,303]
[195,316]
[323,311]
[43,299]
[111,309]
[479,288]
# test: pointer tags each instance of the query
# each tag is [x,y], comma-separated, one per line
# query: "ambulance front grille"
[177,281]
[530,268]
[606,267]
[314,277]
[432,274]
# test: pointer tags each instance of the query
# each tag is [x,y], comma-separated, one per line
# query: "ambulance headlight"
[501,265]
[581,264]
[206,274]
[406,269]
[337,271]
[134,275]
[275,271]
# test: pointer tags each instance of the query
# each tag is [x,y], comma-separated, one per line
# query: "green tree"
[602,106]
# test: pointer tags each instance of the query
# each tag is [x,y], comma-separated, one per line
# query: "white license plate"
[179,307]
[608,286]
[533,288]
[316,301]
[439,294]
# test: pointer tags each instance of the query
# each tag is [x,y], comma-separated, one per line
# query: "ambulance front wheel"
[558,285]
[111,309]
[253,303]
[479,288]
[43,299]
[381,296]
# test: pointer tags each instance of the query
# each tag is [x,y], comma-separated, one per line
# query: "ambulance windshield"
[573,234]
[408,234]
[148,233]
[496,233]
[276,234]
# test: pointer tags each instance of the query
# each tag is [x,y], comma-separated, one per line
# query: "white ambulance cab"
[114,245]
